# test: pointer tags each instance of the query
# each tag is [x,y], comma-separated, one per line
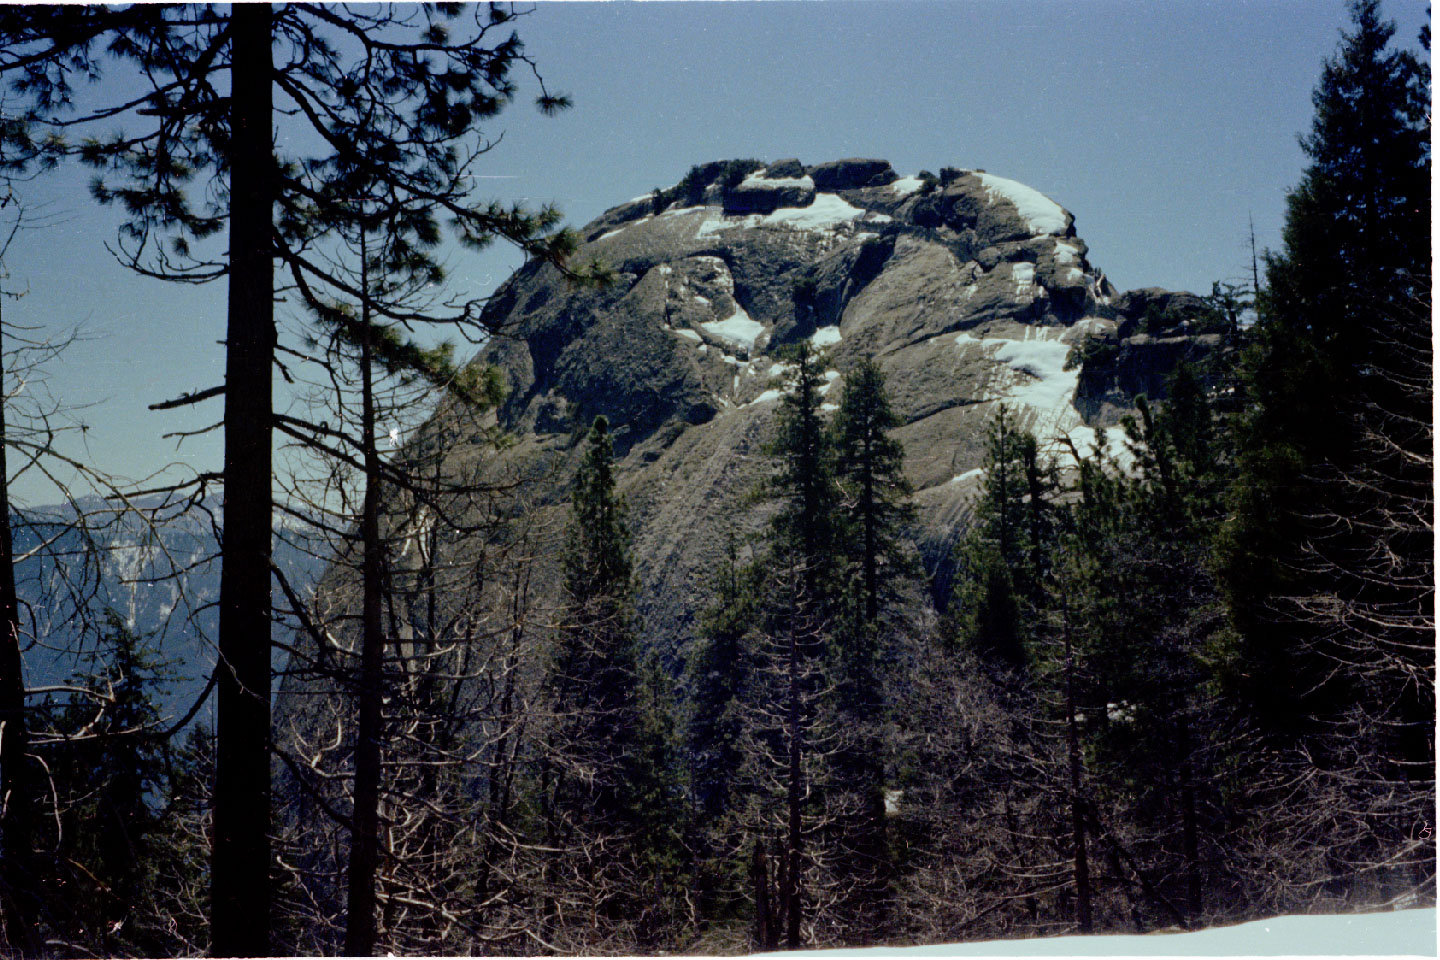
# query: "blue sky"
[1162,126]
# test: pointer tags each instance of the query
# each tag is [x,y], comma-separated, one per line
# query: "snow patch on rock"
[906,185]
[1044,383]
[1042,215]
[774,393]
[737,328]
[757,182]
[825,337]
[828,210]
[1024,276]
[968,475]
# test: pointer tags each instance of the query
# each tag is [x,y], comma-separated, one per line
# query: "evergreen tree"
[107,763]
[719,675]
[1002,561]
[804,485]
[193,154]
[875,511]
[876,495]
[1327,560]
[615,793]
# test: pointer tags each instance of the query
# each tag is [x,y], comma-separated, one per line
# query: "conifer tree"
[1001,562]
[804,485]
[870,474]
[615,792]
[875,510]
[400,93]
[105,752]
[1327,558]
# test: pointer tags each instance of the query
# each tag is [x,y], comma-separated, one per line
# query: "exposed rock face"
[969,290]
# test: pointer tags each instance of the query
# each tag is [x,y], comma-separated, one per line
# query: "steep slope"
[969,289]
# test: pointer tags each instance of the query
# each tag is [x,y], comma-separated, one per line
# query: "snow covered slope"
[1401,933]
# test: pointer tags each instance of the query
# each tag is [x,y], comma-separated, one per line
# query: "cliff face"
[970,290]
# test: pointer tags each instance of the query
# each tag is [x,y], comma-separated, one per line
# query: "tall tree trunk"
[1077,809]
[17,781]
[1194,901]
[869,512]
[760,880]
[790,891]
[365,818]
[240,880]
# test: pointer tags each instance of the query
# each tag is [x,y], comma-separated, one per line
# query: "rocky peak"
[969,289]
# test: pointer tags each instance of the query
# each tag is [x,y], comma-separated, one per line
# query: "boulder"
[766,194]
[789,169]
[851,174]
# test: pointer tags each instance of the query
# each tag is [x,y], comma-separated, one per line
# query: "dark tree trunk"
[790,889]
[760,879]
[1194,901]
[1077,809]
[240,881]
[365,819]
[17,782]
[869,511]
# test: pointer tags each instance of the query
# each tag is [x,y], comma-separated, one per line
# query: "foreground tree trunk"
[1077,808]
[365,820]
[17,805]
[240,882]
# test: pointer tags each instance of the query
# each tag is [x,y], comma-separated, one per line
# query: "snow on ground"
[1041,213]
[737,328]
[1066,252]
[907,185]
[825,337]
[689,335]
[1397,933]
[967,475]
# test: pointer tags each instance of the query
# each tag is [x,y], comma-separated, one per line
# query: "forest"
[1177,681]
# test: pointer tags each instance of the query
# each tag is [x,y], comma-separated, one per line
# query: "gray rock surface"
[970,291]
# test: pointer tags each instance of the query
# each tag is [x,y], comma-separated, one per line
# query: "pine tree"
[1327,559]
[615,790]
[106,758]
[1001,562]
[401,94]
[804,485]
[719,678]
[876,495]
[876,510]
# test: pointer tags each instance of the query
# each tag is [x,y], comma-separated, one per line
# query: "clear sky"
[1162,126]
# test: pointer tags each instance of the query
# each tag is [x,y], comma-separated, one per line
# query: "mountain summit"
[969,290]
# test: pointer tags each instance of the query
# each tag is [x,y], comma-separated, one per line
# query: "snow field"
[1395,933]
